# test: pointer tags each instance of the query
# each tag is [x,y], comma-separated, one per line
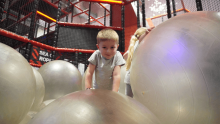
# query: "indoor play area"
[45,59]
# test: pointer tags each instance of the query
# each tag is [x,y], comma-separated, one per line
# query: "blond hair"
[107,34]
[133,40]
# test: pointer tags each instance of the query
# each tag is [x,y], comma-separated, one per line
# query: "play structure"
[45,30]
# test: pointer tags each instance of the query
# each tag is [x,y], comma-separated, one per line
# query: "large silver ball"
[95,107]
[17,86]
[175,70]
[39,92]
[60,78]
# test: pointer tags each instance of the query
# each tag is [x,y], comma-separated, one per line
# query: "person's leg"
[128,90]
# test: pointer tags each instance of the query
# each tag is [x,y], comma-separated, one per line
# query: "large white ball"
[17,86]
[60,78]
[95,107]
[175,70]
[39,92]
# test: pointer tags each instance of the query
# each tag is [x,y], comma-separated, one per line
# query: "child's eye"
[104,47]
[112,47]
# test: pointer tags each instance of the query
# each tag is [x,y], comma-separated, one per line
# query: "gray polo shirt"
[104,69]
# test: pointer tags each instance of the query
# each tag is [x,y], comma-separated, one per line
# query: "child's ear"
[97,46]
[117,46]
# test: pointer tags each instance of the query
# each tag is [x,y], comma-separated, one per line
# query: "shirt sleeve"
[93,58]
[119,59]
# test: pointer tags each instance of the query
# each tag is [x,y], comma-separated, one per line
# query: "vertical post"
[48,31]
[76,59]
[45,27]
[143,13]
[110,20]
[2,6]
[25,22]
[89,12]
[174,7]
[36,29]
[68,10]
[168,9]
[32,30]
[7,15]
[85,61]
[138,19]
[104,17]
[123,29]
[72,14]
[199,5]
[55,40]
[33,20]
[18,18]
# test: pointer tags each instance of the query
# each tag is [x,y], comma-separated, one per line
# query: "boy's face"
[108,48]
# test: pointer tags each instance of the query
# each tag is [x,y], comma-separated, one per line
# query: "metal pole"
[168,9]
[72,14]
[7,15]
[104,17]
[138,20]
[110,20]
[89,12]
[143,13]
[199,5]
[32,30]
[68,10]
[123,29]
[174,7]
[54,44]
[2,6]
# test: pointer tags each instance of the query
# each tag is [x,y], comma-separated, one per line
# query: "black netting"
[161,19]
[190,5]
[46,39]
[211,5]
[207,5]
[74,58]
[10,42]
[49,9]
[17,15]
[79,37]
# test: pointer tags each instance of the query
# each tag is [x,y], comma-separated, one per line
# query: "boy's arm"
[88,78]
[116,78]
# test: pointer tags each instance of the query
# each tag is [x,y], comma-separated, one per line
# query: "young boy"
[106,62]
